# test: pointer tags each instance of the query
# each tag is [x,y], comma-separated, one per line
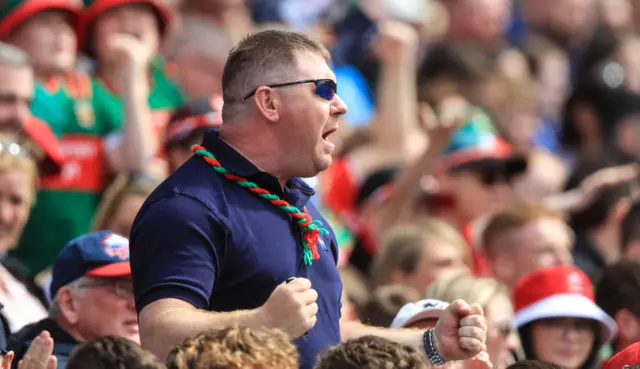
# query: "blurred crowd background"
[527,206]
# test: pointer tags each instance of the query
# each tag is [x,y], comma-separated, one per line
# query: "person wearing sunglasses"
[473,176]
[232,237]
[92,296]
[558,320]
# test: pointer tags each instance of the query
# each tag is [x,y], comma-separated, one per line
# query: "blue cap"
[477,141]
[101,254]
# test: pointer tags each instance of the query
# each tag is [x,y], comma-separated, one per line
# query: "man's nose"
[338,107]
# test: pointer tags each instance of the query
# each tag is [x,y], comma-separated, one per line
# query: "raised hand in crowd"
[291,308]
[39,355]
[396,43]
[588,190]
[134,55]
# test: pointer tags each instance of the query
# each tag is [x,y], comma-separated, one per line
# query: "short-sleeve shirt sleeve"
[177,247]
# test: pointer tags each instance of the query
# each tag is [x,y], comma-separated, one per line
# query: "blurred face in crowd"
[564,341]
[16,92]
[123,216]
[627,134]
[98,308]
[306,120]
[436,259]
[16,196]
[539,244]
[478,20]
[501,337]
[618,14]
[545,176]
[553,82]
[137,20]
[199,72]
[49,39]
[572,18]
[478,191]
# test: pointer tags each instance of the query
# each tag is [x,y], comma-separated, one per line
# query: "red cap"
[628,356]
[99,7]
[122,269]
[29,8]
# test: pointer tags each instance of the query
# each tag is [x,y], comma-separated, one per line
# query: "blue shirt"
[203,239]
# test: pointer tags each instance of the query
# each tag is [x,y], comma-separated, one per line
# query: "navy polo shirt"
[205,240]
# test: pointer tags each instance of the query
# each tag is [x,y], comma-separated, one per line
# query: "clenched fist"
[461,331]
[291,308]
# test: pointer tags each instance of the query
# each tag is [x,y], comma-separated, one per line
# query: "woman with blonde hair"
[121,202]
[23,302]
[494,299]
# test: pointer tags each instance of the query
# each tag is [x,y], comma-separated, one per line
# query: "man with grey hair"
[92,297]
[16,93]
[231,237]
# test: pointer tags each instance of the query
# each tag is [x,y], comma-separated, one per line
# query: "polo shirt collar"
[239,165]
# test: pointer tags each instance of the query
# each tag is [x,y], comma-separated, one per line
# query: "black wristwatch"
[429,341]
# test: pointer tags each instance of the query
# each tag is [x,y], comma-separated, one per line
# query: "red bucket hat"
[95,8]
[561,291]
[629,356]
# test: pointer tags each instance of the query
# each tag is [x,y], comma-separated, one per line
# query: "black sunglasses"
[492,176]
[489,175]
[325,88]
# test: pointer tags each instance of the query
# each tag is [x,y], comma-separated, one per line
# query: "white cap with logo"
[417,311]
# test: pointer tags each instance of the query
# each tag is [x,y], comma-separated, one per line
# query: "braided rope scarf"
[309,229]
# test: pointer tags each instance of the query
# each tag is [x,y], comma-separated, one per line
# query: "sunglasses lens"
[492,177]
[326,89]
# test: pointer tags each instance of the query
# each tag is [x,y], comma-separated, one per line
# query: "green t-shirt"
[66,204]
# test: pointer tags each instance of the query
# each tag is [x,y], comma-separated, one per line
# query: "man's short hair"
[371,352]
[112,352]
[618,288]
[511,219]
[13,56]
[385,302]
[259,56]
[235,347]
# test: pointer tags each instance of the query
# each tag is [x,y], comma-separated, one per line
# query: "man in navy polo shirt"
[231,237]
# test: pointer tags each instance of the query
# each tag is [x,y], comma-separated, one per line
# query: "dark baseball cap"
[102,254]
[196,115]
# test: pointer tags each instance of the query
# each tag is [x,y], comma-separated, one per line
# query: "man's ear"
[268,103]
[68,304]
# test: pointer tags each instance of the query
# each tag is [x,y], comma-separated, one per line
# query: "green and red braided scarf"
[310,229]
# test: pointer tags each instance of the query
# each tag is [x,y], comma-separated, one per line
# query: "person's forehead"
[313,66]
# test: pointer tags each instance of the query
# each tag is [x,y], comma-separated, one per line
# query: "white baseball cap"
[417,311]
